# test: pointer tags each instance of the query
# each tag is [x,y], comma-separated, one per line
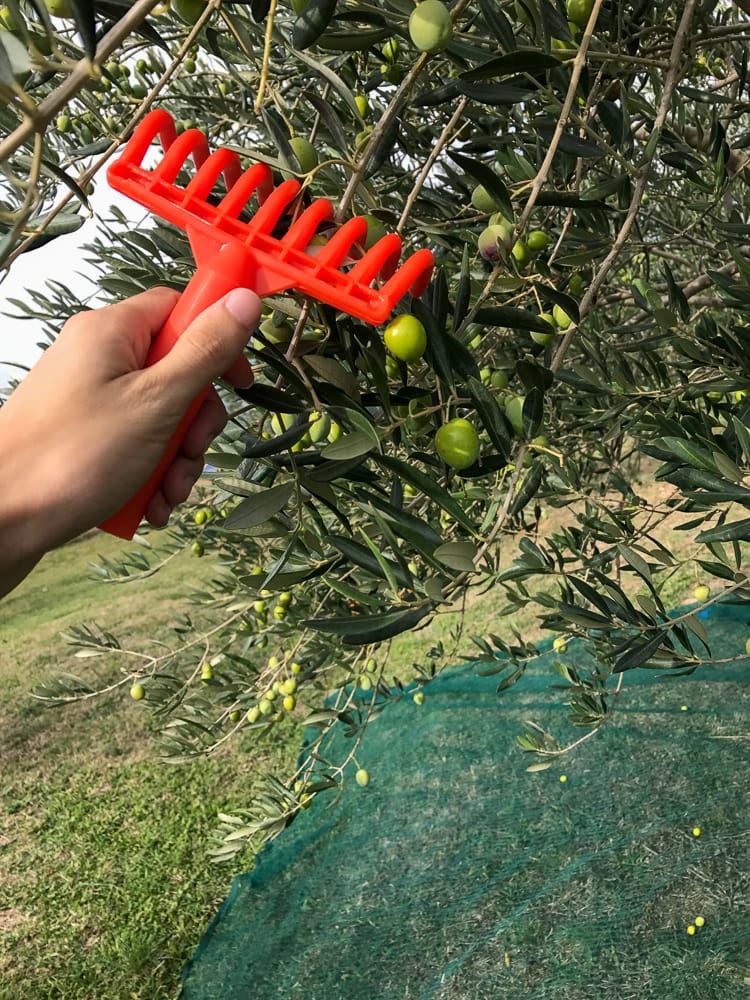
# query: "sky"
[61,260]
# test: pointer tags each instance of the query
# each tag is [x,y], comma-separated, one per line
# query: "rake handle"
[229,269]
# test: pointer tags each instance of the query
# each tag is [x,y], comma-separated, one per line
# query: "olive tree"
[579,174]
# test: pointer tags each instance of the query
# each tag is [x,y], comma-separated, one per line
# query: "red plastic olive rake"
[230,253]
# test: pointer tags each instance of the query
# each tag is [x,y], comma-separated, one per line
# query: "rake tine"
[413,276]
[222,161]
[342,241]
[273,207]
[300,233]
[155,123]
[193,141]
[381,258]
[257,178]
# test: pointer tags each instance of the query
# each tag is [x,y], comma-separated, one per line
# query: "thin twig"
[266,58]
[578,65]
[140,112]
[670,83]
[436,151]
[80,76]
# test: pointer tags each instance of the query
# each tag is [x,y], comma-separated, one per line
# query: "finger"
[209,346]
[158,511]
[180,479]
[134,322]
[119,343]
[240,373]
[209,422]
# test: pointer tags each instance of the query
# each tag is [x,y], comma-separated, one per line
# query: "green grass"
[106,886]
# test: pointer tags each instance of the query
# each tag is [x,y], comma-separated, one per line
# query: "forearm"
[22,532]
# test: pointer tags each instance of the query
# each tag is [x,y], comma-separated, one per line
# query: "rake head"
[278,263]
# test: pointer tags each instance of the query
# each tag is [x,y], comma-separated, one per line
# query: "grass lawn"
[105,888]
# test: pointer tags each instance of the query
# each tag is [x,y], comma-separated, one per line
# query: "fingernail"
[243,305]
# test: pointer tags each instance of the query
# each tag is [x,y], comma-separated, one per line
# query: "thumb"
[212,342]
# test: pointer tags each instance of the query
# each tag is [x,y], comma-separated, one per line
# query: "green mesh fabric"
[456,874]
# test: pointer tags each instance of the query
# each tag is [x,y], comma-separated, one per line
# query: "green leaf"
[498,24]
[437,342]
[497,94]
[491,415]
[312,22]
[277,444]
[615,120]
[334,372]
[532,413]
[328,74]
[278,129]
[360,422]
[515,319]
[329,118]
[566,302]
[260,508]
[738,531]
[349,446]
[360,630]
[726,466]
[487,177]
[428,486]
[698,629]
[534,375]
[463,291]
[459,556]
[223,460]
[84,16]
[439,95]
[633,559]
[386,566]
[691,453]
[366,558]
[580,616]
[677,300]
[717,569]
[267,397]
[405,524]
[352,40]
[529,488]
[574,145]
[352,593]
[743,436]
[639,652]
[520,61]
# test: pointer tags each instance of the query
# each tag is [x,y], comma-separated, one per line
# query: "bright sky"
[61,260]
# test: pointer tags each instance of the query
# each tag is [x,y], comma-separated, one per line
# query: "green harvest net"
[457,874]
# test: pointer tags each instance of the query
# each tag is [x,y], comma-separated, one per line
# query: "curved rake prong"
[413,275]
[223,161]
[155,123]
[193,141]
[273,207]
[232,252]
[339,245]
[382,257]
[304,228]
[257,178]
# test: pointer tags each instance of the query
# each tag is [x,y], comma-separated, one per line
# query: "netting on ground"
[456,875]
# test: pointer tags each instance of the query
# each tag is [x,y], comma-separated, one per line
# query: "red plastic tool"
[230,253]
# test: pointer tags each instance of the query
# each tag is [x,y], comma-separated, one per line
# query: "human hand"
[88,425]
